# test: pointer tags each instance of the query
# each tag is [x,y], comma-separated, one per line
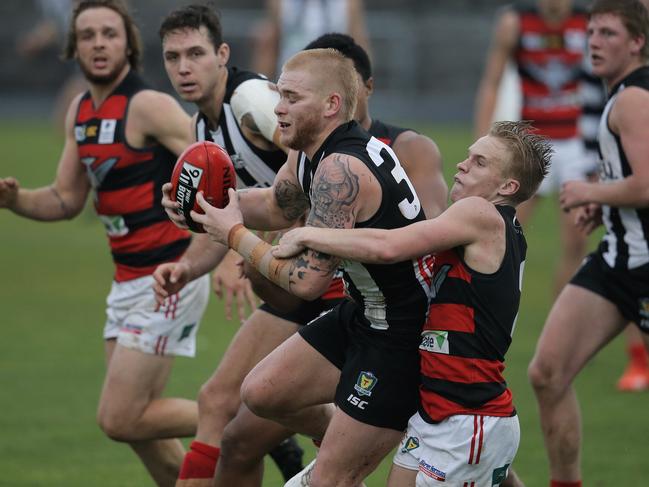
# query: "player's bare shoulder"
[477,212]
[343,190]
[156,115]
[630,110]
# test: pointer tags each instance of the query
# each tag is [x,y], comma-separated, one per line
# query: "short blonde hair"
[529,156]
[333,73]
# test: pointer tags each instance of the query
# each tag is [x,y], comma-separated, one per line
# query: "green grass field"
[55,278]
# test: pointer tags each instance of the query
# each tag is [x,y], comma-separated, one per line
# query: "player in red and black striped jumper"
[466,431]
[547,43]
[118,144]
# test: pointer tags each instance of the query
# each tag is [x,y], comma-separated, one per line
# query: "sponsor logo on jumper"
[107,131]
[435,341]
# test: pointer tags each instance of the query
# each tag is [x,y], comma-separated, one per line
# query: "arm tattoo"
[333,192]
[312,261]
[64,208]
[291,199]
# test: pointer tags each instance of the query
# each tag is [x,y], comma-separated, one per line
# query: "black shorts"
[305,312]
[628,290]
[379,382]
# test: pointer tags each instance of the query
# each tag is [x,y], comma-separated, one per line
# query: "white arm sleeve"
[255,97]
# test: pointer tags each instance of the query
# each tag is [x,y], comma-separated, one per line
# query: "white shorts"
[461,451]
[136,321]
[570,162]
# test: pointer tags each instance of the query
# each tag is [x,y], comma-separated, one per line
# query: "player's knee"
[260,399]
[543,374]
[115,426]
[214,399]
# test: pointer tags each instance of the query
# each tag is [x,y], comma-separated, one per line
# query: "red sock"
[638,355]
[556,483]
[200,461]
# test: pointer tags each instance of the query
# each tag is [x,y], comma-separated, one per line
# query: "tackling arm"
[462,223]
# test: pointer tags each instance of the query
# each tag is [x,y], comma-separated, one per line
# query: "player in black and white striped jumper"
[612,286]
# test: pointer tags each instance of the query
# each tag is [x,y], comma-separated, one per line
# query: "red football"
[204,166]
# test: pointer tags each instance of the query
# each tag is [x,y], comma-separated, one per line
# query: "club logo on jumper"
[187,330]
[435,341]
[188,181]
[81,132]
[97,169]
[365,383]
[409,444]
[499,475]
[431,471]
[107,131]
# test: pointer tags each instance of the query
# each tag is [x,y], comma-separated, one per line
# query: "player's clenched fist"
[8,192]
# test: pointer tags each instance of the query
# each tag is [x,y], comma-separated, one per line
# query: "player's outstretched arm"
[65,197]
[463,223]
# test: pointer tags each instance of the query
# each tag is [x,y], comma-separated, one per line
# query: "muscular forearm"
[306,276]
[258,211]
[45,204]
[203,255]
[626,193]
[362,245]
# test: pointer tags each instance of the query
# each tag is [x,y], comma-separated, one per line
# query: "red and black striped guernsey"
[468,332]
[550,64]
[127,182]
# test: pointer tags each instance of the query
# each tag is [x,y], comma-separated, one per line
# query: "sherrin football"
[204,166]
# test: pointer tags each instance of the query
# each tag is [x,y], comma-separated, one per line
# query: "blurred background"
[428,54]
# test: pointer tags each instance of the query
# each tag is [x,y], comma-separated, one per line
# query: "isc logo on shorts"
[356,401]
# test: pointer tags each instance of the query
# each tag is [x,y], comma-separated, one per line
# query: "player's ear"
[223,53]
[638,43]
[333,104]
[369,85]
[509,187]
